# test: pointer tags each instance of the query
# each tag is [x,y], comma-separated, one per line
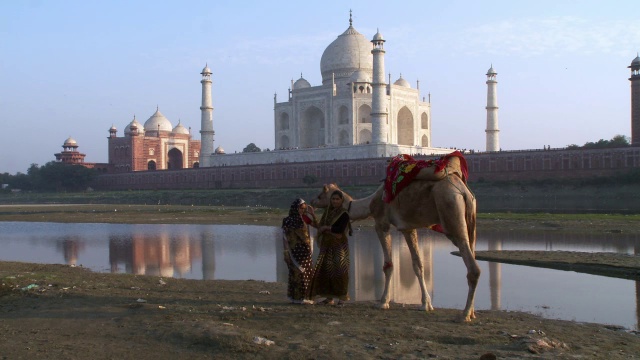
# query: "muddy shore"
[57,311]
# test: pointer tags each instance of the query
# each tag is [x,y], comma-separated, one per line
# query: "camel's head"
[322,200]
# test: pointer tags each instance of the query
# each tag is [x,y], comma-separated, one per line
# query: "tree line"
[58,177]
[50,177]
[615,142]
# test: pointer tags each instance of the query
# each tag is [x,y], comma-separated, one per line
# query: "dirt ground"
[63,312]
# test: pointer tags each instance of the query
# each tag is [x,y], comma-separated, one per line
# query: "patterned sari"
[331,277]
[297,253]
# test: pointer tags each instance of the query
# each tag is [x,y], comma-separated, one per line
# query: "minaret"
[378,108]
[635,101]
[206,119]
[493,139]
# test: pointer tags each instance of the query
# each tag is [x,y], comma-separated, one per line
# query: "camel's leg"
[473,274]
[411,236]
[385,242]
[453,213]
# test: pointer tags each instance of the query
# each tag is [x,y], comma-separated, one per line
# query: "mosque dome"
[636,61]
[179,129]
[301,83]
[134,125]
[402,82]
[157,121]
[70,142]
[219,150]
[360,76]
[349,52]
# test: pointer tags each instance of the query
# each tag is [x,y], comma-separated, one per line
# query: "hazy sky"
[74,68]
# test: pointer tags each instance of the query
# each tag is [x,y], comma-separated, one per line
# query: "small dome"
[219,150]
[70,142]
[134,125]
[491,71]
[179,129]
[361,76]
[636,61]
[206,70]
[113,128]
[402,82]
[301,83]
[157,121]
[378,36]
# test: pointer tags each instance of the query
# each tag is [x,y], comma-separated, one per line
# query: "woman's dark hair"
[337,192]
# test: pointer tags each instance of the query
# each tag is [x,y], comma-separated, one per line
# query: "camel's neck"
[359,208]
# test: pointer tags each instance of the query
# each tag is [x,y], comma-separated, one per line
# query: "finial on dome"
[350,18]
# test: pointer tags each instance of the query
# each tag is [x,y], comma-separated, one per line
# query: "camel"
[422,204]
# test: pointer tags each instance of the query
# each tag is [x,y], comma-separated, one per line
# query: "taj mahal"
[355,113]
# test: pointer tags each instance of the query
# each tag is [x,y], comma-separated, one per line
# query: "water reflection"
[255,252]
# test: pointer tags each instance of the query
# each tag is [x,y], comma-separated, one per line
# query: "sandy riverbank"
[56,311]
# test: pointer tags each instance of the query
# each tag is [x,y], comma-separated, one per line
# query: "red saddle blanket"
[403,169]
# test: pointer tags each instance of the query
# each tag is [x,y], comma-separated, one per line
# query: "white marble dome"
[402,82]
[491,71]
[158,119]
[179,129]
[349,52]
[219,150]
[301,83]
[361,76]
[135,124]
[70,142]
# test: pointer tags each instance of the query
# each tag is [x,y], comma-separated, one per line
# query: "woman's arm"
[340,225]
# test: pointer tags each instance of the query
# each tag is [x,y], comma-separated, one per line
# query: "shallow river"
[241,252]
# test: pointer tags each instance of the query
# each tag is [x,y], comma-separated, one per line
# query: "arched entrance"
[425,141]
[312,128]
[151,165]
[344,138]
[365,136]
[284,142]
[364,114]
[343,117]
[175,159]
[405,127]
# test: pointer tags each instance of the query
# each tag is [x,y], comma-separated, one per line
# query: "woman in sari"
[331,277]
[297,250]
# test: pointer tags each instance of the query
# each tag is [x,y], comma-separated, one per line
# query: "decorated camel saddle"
[403,169]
